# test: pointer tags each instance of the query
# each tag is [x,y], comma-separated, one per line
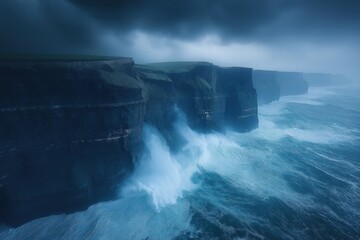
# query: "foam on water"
[290,170]
[159,173]
[313,97]
[126,218]
[165,176]
[314,133]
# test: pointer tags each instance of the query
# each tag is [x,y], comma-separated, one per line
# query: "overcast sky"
[295,35]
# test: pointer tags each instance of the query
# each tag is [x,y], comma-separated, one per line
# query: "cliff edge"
[71,129]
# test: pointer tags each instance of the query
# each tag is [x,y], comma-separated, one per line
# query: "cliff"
[66,134]
[266,85]
[271,85]
[291,83]
[71,129]
[212,97]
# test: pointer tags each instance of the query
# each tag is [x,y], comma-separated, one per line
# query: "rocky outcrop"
[70,131]
[324,79]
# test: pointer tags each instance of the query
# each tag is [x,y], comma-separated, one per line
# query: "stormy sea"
[295,177]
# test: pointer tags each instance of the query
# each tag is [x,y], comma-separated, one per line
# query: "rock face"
[212,97]
[292,83]
[324,80]
[271,85]
[266,85]
[66,134]
[70,131]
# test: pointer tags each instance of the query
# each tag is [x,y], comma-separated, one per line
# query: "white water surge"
[289,178]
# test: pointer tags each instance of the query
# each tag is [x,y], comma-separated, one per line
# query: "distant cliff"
[292,83]
[266,85]
[271,85]
[70,130]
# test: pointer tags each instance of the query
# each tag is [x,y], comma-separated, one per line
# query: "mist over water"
[296,177]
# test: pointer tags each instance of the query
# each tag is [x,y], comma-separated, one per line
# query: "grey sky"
[306,35]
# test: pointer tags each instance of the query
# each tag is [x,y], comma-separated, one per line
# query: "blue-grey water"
[296,177]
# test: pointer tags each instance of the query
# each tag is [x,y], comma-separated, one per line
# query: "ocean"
[295,177]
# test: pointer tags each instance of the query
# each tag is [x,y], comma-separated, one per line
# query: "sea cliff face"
[271,85]
[211,97]
[70,131]
[266,85]
[66,134]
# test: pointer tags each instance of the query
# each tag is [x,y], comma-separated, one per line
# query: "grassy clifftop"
[56,58]
[173,67]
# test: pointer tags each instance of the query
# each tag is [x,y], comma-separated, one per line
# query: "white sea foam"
[273,109]
[162,175]
[310,132]
[126,218]
[159,173]
[165,176]
[328,135]
[249,161]
[313,97]
[252,168]
[313,134]
[293,99]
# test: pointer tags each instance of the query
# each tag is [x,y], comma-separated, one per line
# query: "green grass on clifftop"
[173,67]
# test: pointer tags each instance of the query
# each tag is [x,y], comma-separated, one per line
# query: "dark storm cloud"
[44,26]
[183,18]
[66,25]
[302,35]
[246,19]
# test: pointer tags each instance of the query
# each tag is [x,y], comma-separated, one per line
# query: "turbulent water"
[296,177]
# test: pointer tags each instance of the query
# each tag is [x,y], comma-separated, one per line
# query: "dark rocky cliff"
[66,134]
[212,97]
[70,131]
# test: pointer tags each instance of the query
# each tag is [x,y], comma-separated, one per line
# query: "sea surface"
[296,177]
